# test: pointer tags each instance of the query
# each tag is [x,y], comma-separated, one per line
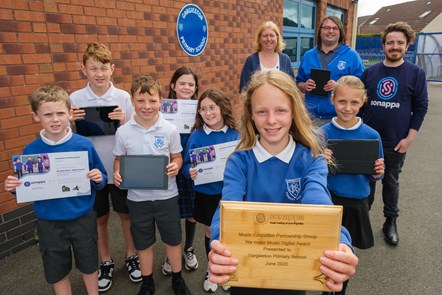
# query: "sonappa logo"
[261,218]
[387,88]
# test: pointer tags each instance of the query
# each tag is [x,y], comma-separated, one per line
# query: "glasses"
[204,110]
[328,28]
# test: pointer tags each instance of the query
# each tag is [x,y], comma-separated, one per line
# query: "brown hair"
[338,22]
[220,99]
[280,45]
[98,52]
[49,93]
[302,129]
[180,72]
[145,83]
[400,27]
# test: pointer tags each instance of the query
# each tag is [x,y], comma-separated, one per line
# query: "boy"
[352,190]
[100,91]
[65,224]
[148,133]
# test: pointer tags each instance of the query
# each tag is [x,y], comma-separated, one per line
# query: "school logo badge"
[293,189]
[341,65]
[387,88]
[159,141]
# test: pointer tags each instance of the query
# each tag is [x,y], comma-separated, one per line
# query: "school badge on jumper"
[159,141]
[293,189]
[341,65]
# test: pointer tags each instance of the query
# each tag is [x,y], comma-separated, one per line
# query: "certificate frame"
[96,121]
[285,240]
[145,172]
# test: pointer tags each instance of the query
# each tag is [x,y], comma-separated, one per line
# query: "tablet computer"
[321,77]
[354,156]
[144,172]
[96,121]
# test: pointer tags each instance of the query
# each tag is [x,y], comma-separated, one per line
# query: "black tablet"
[354,156]
[144,172]
[321,77]
[96,121]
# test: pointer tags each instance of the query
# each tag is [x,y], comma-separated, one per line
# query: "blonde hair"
[351,82]
[50,93]
[98,52]
[280,45]
[302,129]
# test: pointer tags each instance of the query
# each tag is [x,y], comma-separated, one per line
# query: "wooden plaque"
[278,245]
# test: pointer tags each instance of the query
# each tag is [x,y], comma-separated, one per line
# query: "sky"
[369,7]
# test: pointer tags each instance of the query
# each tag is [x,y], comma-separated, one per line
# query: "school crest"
[293,189]
[159,141]
[341,65]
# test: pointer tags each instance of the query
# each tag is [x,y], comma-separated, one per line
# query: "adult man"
[332,54]
[396,107]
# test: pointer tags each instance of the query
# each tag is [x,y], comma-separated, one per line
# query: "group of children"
[277,138]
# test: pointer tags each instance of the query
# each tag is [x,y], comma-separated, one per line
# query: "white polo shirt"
[85,97]
[160,139]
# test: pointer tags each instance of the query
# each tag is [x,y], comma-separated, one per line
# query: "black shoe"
[180,288]
[146,289]
[390,231]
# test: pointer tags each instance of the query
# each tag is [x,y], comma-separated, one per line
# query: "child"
[65,224]
[30,165]
[214,124]
[277,132]
[148,133]
[352,190]
[184,85]
[98,68]
[40,165]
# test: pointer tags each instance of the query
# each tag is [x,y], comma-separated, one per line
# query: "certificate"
[278,245]
[211,161]
[180,112]
[51,176]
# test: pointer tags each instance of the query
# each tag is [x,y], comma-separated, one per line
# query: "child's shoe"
[180,287]
[133,268]
[166,269]
[208,285]
[105,275]
[146,289]
[191,263]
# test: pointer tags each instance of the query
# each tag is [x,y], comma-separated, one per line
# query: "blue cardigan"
[252,64]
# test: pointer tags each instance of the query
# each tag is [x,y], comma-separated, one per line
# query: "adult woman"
[268,45]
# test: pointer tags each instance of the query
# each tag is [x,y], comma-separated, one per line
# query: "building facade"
[42,42]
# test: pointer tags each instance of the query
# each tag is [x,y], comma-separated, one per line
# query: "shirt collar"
[336,49]
[51,142]
[356,126]
[285,155]
[157,124]
[209,130]
[107,96]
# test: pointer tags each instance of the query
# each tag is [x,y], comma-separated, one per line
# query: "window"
[339,13]
[299,25]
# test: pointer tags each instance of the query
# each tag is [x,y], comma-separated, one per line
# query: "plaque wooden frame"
[278,245]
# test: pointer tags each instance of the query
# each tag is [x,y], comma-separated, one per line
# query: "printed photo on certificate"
[51,176]
[211,161]
[180,112]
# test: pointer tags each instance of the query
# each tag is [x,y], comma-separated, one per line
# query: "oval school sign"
[192,30]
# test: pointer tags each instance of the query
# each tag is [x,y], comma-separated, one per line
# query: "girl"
[214,124]
[277,137]
[184,85]
[352,190]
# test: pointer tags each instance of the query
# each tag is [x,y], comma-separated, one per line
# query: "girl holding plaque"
[278,146]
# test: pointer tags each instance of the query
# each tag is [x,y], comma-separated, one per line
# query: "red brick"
[83,19]
[26,15]
[6,196]
[22,69]
[6,155]
[53,28]
[6,113]
[70,9]
[39,27]
[14,26]
[105,3]
[58,18]
[123,5]
[6,134]
[32,37]
[11,80]
[36,6]
[72,29]
[22,90]
[16,122]
[7,101]
[30,129]
[5,166]
[36,58]
[39,79]
[23,110]
[8,206]
[45,68]
[6,14]
[4,92]
[14,4]
[19,141]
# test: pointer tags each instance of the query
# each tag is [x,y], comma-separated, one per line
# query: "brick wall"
[41,42]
